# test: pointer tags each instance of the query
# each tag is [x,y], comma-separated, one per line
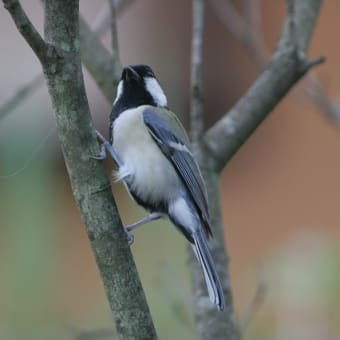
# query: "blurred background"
[280,192]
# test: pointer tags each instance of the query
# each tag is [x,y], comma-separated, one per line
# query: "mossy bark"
[90,185]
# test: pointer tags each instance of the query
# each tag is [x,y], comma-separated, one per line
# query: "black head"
[138,86]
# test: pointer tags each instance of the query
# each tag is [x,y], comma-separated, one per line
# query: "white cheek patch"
[153,87]
[119,91]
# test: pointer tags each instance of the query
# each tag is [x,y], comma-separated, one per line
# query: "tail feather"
[212,280]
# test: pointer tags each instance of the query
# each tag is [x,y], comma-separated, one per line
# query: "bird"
[154,159]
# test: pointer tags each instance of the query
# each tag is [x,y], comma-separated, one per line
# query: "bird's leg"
[151,217]
[107,147]
[129,236]
[102,153]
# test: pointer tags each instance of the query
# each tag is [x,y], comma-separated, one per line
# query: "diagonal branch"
[21,94]
[90,185]
[97,59]
[92,62]
[26,28]
[330,108]
[117,67]
[246,31]
[102,20]
[310,89]
[288,64]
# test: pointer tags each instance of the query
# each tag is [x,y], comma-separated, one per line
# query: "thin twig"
[102,21]
[312,89]
[27,29]
[21,94]
[286,68]
[114,42]
[96,334]
[242,29]
[253,15]
[253,307]
[31,156]
[316,93]
[37,82]
[291,8]
[196,121]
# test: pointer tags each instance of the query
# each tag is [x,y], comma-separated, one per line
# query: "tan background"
[280,193]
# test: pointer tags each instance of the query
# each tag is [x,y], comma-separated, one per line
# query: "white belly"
[145,169]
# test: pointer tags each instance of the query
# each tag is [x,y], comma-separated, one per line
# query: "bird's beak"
[129,73]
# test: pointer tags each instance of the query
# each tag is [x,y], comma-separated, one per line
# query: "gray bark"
[288,64]
[60,57]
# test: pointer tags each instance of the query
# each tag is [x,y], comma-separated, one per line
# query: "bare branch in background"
[287,66]
[246,30]
[292,23]
[91,62]
[254,306]
[97,59]
[209,323]
[330,108]
[114,42]
[196,99]
[252,38]
[102,20]
[228,134]
[253,15]
[21,94]
[27,29]
[96,334]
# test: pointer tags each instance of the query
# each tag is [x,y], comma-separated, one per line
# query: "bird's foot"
[130,237]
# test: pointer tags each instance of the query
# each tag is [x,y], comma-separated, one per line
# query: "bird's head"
[139,86]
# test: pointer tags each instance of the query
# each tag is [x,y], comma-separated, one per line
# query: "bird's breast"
[146,171]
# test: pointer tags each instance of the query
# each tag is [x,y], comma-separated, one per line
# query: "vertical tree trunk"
[89,183]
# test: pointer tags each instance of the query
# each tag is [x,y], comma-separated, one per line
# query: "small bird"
[152,152]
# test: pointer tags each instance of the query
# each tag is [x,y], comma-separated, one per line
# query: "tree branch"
[97,59]
[26,28]
[90,185]
[210,323]
[311,88]
[102,20]
[219,143]
[330,108]
[92,64]
[287,66]
[243,30]
[196,104]
[20,95]
[255,304]
[117,67]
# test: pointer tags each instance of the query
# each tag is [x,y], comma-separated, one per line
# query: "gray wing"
[174,145]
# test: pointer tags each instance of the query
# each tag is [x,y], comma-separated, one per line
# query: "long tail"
[212,280]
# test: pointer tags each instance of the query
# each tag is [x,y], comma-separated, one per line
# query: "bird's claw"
[129,236]
[102,154]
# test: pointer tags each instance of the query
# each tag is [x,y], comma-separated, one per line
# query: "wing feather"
[175,146]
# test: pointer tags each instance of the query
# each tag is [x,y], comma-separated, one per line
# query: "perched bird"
[152,151]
